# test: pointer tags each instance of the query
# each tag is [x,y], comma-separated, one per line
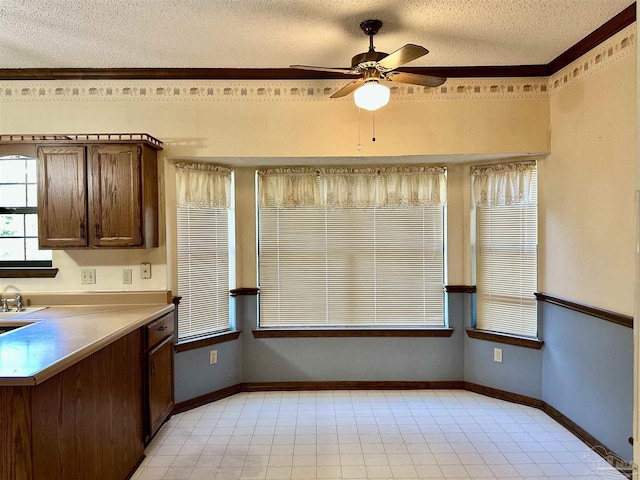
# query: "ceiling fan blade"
[348,88]
[415,79]
[401,56]
[325,69]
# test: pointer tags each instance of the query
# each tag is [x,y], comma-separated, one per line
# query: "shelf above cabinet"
[68,138]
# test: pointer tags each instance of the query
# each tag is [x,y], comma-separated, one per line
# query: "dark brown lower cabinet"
[92,420]
[159,372]
[84,423]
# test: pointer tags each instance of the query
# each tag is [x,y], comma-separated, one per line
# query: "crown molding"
[254,73]
[166,74]
[595,38]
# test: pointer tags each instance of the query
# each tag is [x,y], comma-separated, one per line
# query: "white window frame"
[41,258]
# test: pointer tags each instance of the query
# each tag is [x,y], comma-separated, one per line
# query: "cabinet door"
[160,384]
[115,196]
[62,197]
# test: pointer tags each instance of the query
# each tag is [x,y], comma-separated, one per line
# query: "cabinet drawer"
[159,329]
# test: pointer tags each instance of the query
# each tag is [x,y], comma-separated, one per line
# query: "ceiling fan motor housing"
[366,60]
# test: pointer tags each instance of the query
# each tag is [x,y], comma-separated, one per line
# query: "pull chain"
[359,147]
[373,126]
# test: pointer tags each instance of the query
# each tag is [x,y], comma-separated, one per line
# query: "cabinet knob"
[81,230]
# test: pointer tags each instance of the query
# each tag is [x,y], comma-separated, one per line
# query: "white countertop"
[61,336]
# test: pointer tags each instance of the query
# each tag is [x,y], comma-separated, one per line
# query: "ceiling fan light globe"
[371,96]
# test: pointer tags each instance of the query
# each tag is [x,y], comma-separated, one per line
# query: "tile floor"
[435,434]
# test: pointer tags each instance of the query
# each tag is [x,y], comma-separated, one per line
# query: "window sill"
[505,338]
[351,332]
[28,272]
[200,342]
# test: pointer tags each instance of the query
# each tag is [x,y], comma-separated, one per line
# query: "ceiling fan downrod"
[370,28]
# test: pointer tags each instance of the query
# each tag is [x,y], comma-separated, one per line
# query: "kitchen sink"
[5,329]
[10,325]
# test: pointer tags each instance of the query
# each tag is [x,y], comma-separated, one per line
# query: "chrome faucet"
[17,300]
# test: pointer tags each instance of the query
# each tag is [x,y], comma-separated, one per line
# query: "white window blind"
[371,266]
[203,246]
[506,254]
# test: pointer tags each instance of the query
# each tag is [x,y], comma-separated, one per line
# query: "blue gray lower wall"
[520,371]
[350,359]
[584,370]
[587,374]
[194,376]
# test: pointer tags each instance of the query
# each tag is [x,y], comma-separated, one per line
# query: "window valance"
[353,187]
[502,184]
[288,187]
[202,185]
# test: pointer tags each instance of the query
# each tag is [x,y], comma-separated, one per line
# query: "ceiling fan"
[374,66]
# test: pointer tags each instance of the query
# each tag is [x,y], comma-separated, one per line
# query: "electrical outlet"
[126,275]
[213,357]
[87,276]
[497,355]
[145,270]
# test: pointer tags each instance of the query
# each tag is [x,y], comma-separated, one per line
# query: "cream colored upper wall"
[108,266]
[299,128]
[472,116]
[457,241]
[586,190]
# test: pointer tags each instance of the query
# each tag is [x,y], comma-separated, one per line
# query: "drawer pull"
[163,328]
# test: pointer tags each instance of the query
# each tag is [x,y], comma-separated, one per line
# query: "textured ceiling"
[277,33]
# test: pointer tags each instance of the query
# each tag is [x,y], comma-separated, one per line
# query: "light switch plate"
[87,276]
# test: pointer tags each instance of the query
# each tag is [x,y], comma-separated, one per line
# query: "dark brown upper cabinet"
[97,195]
